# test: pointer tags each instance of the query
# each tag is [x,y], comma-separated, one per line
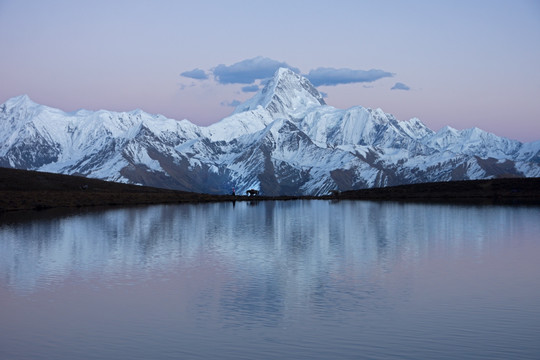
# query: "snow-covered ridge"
[285,140]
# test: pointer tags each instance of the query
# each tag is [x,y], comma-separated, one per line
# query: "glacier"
[285,140]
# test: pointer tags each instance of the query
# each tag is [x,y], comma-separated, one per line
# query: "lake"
[289,280]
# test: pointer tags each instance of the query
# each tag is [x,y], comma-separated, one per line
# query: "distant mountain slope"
[283,141]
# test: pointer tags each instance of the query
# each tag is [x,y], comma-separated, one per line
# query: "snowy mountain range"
[284,140]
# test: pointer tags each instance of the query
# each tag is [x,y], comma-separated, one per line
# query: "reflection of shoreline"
[305,237]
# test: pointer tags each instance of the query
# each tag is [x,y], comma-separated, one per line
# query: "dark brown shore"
[32,190]
[492,191]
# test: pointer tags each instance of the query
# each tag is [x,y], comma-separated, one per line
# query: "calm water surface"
[294,280]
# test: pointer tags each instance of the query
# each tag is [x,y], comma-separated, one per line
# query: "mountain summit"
[286,94]
[283,141]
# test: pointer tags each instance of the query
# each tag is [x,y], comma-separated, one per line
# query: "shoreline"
[22,190]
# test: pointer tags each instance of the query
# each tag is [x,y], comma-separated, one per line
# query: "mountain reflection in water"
[297,279]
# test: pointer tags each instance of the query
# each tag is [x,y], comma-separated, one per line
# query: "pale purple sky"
[457,63]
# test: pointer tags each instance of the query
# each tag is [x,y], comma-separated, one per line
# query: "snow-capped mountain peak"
[286,95]
[20,101]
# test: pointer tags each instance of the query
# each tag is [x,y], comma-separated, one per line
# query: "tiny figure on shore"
[233,192]
[252,192]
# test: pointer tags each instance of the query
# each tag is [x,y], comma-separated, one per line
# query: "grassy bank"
[31,190]
[492,191]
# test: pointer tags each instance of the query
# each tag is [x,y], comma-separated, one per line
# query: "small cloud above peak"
[233,103]
[249,70]
[197,74]
[400,86]
[331,76]
[250,88]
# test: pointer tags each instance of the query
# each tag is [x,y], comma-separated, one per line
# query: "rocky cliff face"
[285,140]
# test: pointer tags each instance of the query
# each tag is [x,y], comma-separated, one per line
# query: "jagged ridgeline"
[283,141]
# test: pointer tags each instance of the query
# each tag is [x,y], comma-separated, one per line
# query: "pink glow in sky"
[464,63]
